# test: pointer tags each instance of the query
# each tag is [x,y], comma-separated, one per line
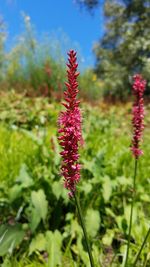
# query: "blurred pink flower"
[138,88]
[70,127]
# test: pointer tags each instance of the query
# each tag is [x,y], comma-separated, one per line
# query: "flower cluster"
[70,127]
[138,114]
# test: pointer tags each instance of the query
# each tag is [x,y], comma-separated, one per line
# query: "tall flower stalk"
[70,128]
[138,114]
[70,137]
[138,89]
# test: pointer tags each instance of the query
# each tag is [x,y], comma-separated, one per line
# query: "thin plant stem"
[131,213]
[141,248]
[84,229]
[145,262]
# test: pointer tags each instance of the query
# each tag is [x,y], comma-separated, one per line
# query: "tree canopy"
[90,4]
[125,46]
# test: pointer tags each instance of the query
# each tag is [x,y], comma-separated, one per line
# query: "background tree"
[89,4]
[2,51]
[125,46]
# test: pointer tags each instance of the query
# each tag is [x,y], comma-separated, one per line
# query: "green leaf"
[38,243]
[6,263]
[53,245]
[88,165]
[79,250]
[35,219]
[39,208]
[107,188]
[108,237]
[40,203]
[57,189]
[10,237]
[92,221]
[86,187]
[56,156]
[24,179]
[15,192]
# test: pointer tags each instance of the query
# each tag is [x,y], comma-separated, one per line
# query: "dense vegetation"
[38,223]
[125,46]
[36,66]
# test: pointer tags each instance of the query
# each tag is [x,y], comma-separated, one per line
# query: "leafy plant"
[29,163]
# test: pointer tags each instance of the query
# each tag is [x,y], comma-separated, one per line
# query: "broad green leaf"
[24,179]
[57,189]
[40,203]
[123,180]
[39,208]
[75,229]
[38,243]
[88,165]
[10,237]
[107,188]
[108,237]
[55,143]
[53,247]
[35,219]
[92,220]
[86,187]
[15,192]
[119,219]
[127,211]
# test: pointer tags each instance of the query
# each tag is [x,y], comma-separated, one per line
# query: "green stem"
[84,230]
[142,246]
[131,213]
[145,262]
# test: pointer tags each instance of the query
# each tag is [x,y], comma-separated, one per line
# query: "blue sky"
[52,15]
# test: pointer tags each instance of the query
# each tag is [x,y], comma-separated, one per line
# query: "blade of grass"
[141,248]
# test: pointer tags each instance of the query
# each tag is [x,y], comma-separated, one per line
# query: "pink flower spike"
[70,128]
[138,88]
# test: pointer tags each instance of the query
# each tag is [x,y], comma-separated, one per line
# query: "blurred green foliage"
[37,66]
[124,48]
[33,67]
[38,221]
[90,86]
